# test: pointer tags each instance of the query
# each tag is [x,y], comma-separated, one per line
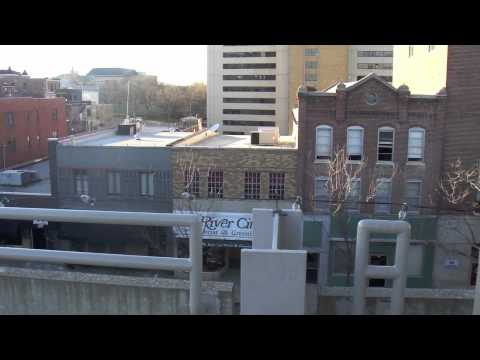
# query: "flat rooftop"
[238,142]
[150,136]
[38,187]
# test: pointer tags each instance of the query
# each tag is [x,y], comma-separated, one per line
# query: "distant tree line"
[155,101]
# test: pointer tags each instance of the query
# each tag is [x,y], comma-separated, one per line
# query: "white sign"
[221,226]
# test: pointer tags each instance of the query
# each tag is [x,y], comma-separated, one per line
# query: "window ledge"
[387,163]
[321,161]
[355,162]
[416,163]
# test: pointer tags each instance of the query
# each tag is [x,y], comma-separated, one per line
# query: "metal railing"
[193,264]
[397,272]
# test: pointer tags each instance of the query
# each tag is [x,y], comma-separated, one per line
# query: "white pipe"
[363,271]
[96,259]
[276,218]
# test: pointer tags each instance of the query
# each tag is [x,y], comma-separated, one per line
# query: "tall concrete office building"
[366,59]
[252,86]
[247,87]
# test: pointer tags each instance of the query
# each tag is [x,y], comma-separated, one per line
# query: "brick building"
[385,128]
[25,126]
[229,176]
[378,124]
[16,84]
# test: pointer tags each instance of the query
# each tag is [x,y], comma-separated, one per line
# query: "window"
[113,178]
[249,77]
[353,198]
[55,115]
[323,144]
[12,144]
[309,76]
[321,193]
[312,52]
[377,260]
[410,50]
[252,185]
[249,54]
[355,143]
[247,123]
[413,195]
[276,188]
[54,133]
[29,143]
[383,196]
[431,48]
[249,88]
[81,182]
[385,144]
[343,258]
[215,184]
[249,100]
[474,271]
[311,64]
[191,182]
[250,66]
[248,112]
[416,142]
[147,183]
[415,260]
[386,78]
[375,53]
[10,119]
[374,66]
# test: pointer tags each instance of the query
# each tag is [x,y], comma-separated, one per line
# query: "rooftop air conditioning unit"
[268,135]
[18,177]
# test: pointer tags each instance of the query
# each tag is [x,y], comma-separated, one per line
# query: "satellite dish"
[214,127]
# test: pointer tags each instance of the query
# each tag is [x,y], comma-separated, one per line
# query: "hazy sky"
[173,64]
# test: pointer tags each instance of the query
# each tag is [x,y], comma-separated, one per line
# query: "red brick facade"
[395,108]
[25,126]
[463,113]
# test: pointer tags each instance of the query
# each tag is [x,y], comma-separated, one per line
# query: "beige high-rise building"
[252,86]
[423,68]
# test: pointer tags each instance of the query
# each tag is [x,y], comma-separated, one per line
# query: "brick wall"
[32,118]
[234,163]
[395,109]
[463,86]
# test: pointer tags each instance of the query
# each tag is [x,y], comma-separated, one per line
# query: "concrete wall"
[338,301]
[42,292]
[129,161]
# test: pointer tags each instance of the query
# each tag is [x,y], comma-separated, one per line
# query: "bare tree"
[344,196]
[188,169]
[456,189]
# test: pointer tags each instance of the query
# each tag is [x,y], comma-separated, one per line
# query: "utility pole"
[128,96]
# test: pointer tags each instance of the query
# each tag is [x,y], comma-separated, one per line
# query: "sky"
[173,64]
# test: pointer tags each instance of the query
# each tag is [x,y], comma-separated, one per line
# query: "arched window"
[355,143]
[416,144]
[386,137]
[323,142]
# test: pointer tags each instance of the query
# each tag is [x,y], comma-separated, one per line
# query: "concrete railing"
[193,264]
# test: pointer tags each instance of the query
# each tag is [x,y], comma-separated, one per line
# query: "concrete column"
[273,282]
